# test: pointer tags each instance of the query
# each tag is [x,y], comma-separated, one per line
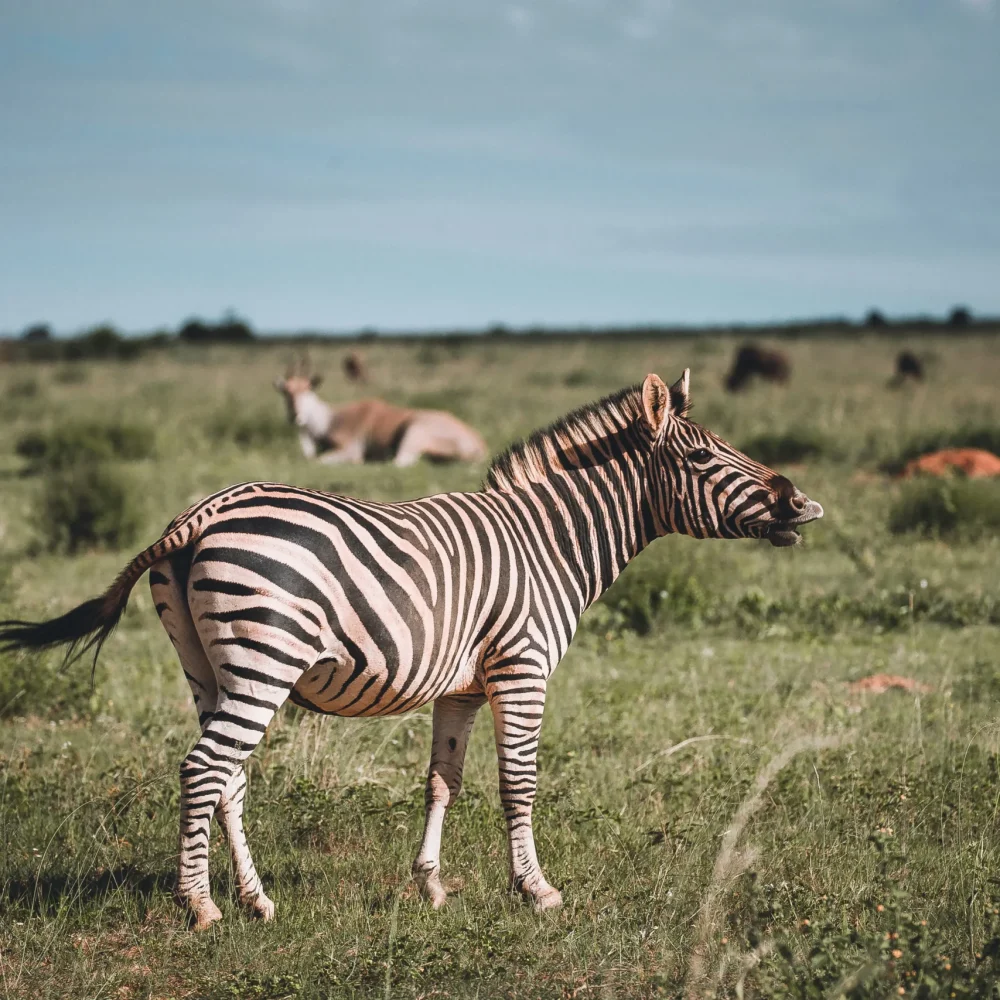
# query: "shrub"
[261,428]
[797,445]
[24,388]
[578,377]
[87,505]
[947,506]
[451,400]
[72,374]
[34,685]
[71,444]
[642,598]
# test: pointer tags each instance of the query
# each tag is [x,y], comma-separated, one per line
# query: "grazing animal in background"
[974,463]
[908,366]
[372,430]
[355,369]
[356,608]
[751,360]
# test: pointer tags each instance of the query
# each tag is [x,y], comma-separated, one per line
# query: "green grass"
[705,662]
[949,506]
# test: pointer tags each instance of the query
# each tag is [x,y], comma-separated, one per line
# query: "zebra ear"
[680,395]
[655,402]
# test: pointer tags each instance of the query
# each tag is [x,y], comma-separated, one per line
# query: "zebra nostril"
[797,502]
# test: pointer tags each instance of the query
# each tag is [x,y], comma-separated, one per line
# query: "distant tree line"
[37,342]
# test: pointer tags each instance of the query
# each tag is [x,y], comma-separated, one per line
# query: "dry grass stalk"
[732,862]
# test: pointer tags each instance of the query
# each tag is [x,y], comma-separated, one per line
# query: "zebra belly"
[334,686]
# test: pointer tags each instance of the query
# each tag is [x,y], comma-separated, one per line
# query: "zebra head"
[703,487]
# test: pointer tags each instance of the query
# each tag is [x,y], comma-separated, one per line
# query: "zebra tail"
[89,625]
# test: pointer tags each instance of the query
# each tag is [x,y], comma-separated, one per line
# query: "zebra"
[349,607]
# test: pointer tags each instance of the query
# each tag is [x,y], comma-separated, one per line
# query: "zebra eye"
[700,455]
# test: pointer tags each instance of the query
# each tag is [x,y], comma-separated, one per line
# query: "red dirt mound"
[880,683]
[972,462]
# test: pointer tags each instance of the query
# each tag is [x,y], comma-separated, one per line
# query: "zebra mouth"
[781,537]
[782,533]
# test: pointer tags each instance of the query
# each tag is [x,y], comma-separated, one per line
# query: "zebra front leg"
[453,718]
[517,722]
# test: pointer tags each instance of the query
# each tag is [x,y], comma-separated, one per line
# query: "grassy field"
[725,814]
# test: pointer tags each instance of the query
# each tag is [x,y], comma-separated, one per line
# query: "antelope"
[372,430]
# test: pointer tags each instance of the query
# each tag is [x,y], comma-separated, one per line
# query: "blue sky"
[406,164]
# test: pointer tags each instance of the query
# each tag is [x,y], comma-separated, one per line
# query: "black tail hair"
[84,628]
[88,626]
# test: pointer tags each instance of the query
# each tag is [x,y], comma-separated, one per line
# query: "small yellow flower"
[896,953]
[880,907]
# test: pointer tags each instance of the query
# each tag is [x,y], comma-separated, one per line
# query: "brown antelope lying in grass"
[373,430]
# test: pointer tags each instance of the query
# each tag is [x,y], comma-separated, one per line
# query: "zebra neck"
[598,519]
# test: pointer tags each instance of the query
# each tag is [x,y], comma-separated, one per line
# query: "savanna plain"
[725,810]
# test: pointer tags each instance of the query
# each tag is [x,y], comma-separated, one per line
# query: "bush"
[262,428]
[87,506]
[578,377]
[790,446]
[937,507]
[24,388]
[34,685]
[71,444]
[72,374]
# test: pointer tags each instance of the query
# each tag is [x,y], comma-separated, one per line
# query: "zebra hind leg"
[453,719]
[166,582]
[168,595]
[213,783]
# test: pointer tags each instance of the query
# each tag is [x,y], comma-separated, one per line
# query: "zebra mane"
[533,459]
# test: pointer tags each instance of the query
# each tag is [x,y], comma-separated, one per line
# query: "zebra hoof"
[205,913]
[260,907]
[546,899]
[433,892]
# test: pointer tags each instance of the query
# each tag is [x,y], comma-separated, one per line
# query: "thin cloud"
[979,6]
[520,19]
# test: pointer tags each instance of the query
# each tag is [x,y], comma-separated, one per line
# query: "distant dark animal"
[908,365]
[355,369]
[752,360]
